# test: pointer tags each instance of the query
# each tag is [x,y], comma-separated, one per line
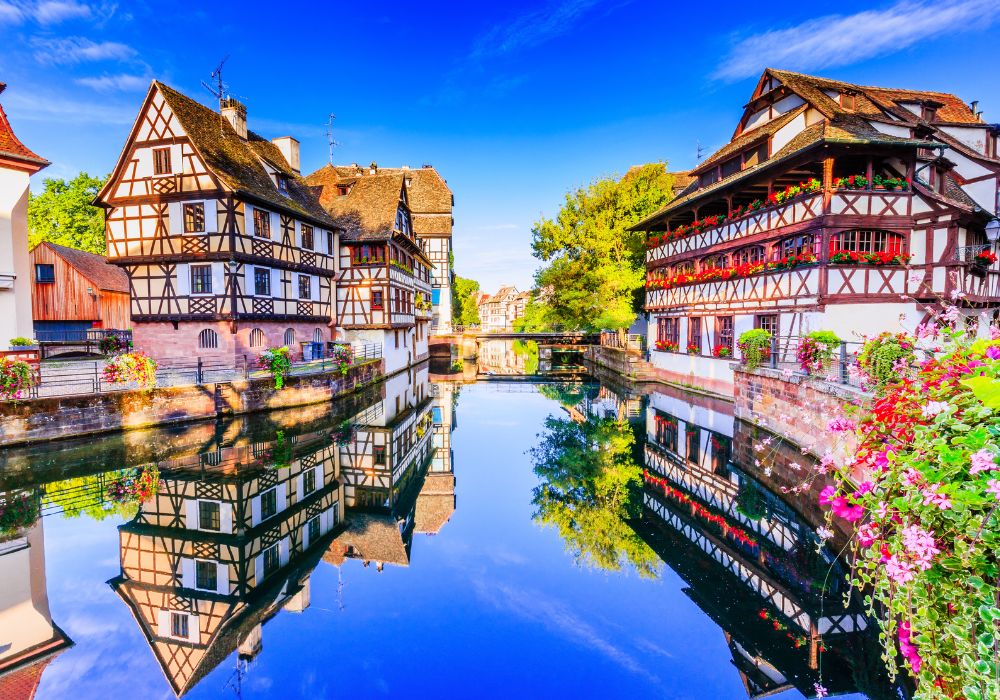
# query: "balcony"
[848,203]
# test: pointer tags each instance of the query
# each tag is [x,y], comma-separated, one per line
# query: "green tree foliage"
[590,490]
[595,266]
[87,496]
[464,310]
[530,351]
[536,318]
[63,214]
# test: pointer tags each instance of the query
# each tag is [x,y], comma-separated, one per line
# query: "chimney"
[289,148]
[236,112]
[373,168]
[406,167]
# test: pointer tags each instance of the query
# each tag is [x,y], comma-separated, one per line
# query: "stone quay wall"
[42,419]
[797,408]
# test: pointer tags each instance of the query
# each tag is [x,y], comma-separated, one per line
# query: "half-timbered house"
[226,248]
[833,207]
[229,539]
[383,275]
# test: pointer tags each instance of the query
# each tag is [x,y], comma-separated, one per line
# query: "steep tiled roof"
[95,268]
[369,208]
[372,537]
[237,162]
[435,502]
[748,137]
[428,191]
[11,147]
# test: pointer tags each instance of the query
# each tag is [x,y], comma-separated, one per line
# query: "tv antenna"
[329,135]
[218,89]
[700,152]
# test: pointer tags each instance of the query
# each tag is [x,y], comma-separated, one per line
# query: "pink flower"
[843,508]
[826,495]
[898,570]
[820,691]
[863,488]
[982,461]
[911,477]
[933,497]
[908,649]
[867,534]
[920,546]
[993,352]
[841,425]
[994,488]
[882,460]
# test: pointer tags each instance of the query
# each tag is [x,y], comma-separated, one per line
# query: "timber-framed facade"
[227,250]
[834,207]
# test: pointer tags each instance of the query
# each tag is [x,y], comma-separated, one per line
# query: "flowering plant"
[693,349]
[853,257]
[343,357]
[985,258]
[884,359]
[16,379]
[17,511]
[755,346]
[815,350]
[137,486]
[722,350]
[851,182]
[22,342]
[131,367]
[921,496]
[278,362]
[891,183]
[113,344]
[712,274]
[666,346]
[344,432]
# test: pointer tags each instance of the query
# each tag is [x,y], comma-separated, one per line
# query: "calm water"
[496,539]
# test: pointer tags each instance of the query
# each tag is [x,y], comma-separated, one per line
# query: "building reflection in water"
[516,358]
[29,639]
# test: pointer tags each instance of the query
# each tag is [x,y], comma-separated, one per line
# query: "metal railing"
[969,252]
[628,341]
[836,369]
[88,335]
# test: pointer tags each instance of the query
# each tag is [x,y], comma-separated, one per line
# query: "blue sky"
[515,103]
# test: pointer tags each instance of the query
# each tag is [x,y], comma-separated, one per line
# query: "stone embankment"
[72,416]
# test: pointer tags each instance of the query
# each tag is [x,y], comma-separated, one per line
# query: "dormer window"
[342,190]
[281,181]
[928,112]
[848,101]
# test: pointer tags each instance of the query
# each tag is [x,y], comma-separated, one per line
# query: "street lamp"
[993,231]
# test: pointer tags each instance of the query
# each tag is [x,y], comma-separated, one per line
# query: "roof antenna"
[219,89]
[329,135]
[701,151]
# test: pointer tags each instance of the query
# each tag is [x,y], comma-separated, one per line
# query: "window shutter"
[249,287]
[176,159]
[163,623]
[211,216]
[226,517]
[248,220]
[314,288]
[175,214]
[218,278]
[145,158]
[275,226]
[276,284]
[191,514]
[258,570]
[183,279]
[281,496]
[194,629]
[255,511]
[188,579]
[319,240]
[283,551]
[222,578]
[305,536]
[300,487]
[297,236]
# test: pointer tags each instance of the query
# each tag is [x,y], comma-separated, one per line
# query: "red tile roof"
[95,268]
[11,148]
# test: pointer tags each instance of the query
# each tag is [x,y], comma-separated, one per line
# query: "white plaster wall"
[787,133]
[697,415]
[892,129]
[852,321]
[15,302]
[702,366]
[972,136]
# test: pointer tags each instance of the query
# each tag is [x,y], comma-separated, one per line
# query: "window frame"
[724,333]
[201,516]
[271,560]
[308,481]
[191,219]
[180,625]
[695,332]
[200,269]
[305,292]
[47,279]
[269,498]
[378,300]
[162,156]
[768,322]
[261,274]
[208,339]
[261,223]
[199,564]
[692,438]
[310,525]
[308,239]
[868,241]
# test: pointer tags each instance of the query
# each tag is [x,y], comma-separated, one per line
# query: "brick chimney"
[236,112]
[289,148]
[373,168]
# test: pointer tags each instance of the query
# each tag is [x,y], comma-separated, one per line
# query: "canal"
[429,538]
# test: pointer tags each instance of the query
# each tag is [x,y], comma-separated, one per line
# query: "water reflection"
[249,514]
[518,358]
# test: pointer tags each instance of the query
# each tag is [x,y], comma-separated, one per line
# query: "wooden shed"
[73,291]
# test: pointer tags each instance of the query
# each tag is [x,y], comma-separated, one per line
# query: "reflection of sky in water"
[492,606]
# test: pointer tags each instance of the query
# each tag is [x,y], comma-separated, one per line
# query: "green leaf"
[985,389]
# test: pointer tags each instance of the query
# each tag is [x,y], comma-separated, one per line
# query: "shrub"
[278,362]
[17,511]
[131,367]
[16,379]
[22,342]
[884,359]
[755,346]
[114,345]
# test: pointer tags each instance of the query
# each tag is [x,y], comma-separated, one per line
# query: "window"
[209,516]
[666,431]
[201,279]
[796,245]
[262,282]
[694,335]
[256,338]
[368,254]
[261,223]
[268,504]
[289,337]
[377,299]
[313,529]
[867,241]
[161,161]
[749,255]
[281,180]
[713,261]
[329,243]
[318,335]
[206,575]
[307,237]
[380,454]
[668,330]
[179,625]
[847,101]
[45,274]
[767,322]
[305,287]
[693,435]
[342,190]
[208,340]
[271,561]
[721,452]
[194,218]
[309,481]
[436,297]
[724,332]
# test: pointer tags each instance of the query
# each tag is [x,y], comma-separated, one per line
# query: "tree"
[596,266]
[464,310]
[591,490]
[535,319]
[63,214]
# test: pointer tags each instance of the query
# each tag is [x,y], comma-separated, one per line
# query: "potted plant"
[22,343]
[816,350]
[693,349]
[755,347]
[666,346]
[16,379]
[982,260]
[722,351]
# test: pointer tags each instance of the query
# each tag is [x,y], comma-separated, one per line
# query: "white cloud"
[838,40]
[55,11]
[111,83]
[56,109]
[10,14]
[75,49]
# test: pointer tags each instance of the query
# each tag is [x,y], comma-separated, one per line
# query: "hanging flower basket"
[16,379]
[278,362]
[112,345]
[136,486]
[344,433]
[135,367]
[17,511]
